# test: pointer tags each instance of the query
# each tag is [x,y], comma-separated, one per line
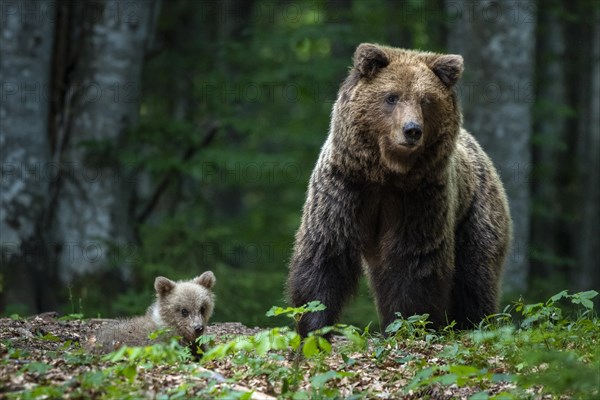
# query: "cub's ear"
[369,59]
[163,286]
[448,67]
[207,280]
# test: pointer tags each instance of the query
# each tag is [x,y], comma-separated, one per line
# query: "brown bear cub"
[185,307]
[403,192]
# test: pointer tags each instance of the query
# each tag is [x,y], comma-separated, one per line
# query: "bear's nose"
[199,329]
[412,132]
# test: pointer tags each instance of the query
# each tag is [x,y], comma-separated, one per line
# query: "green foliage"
[313,347]
[36,368]
[296,313]
[49,337]
[232,201]
[560,372]
[279,338]
[168,353]
[548,348]
[71,317]
[120,379]
[549,313]
[413,326]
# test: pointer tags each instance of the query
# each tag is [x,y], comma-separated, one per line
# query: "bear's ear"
[163,286]
[448,67]
[207,280]
[369,59]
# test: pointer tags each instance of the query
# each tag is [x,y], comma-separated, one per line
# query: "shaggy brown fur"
[402,189]
[184,306]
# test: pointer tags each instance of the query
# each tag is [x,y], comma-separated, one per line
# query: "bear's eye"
[184,312]
[392,98]
[202,309]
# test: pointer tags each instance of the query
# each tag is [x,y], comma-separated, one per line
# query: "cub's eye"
[425,100]
[392,98]
[202,309]
[184,312]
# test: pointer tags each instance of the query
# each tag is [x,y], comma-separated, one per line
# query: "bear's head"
[398,108]
[185,306]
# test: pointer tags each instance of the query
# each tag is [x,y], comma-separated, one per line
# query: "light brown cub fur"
[183,306]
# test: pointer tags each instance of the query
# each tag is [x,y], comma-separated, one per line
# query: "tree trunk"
[496,38]
[26,47]
[587,240]
[549,253]
[101,102]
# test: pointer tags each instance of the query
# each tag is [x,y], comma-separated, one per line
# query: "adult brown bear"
[401,188]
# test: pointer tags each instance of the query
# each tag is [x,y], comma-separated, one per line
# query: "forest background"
[145,137]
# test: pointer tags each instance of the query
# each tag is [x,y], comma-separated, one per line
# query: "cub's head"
[186,306]
[400,104]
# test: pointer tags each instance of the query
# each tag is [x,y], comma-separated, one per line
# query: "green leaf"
[115,355]
[134,353]
[349,361]
[503,396]
[310,347]
[352,334]
[71,317]
[275,311]
[129,372]
[448,379]
[422,377]
[295,341]
[279,341]
[585,298]
[404,360]
[394,326]
[503,378]
[463,370]
[559,296]
[92,379]
[520,366]
[50,337]
[246,395]
[590,294]
[320,379]
[263,345]
[159,332]
[324,345]
[300,396]
[314,306]
[37,367]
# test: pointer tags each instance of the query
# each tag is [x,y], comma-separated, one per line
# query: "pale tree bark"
[100,103]
[26,43]
[587,240]
[496,39]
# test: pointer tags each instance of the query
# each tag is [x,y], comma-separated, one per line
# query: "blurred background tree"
[143,138]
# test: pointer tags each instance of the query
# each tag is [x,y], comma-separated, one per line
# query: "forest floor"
[35,350]
[44,357]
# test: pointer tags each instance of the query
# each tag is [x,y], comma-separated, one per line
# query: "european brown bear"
[402,191]
[184,306]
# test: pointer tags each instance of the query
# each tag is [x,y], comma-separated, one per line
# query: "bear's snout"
[198,329]
[412,133]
